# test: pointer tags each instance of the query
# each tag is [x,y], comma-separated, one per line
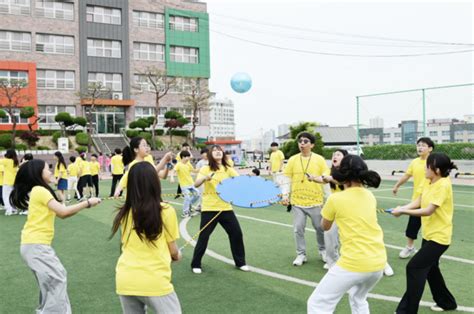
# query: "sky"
[290,86]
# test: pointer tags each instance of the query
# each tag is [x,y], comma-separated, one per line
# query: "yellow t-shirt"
[211,202]
[336,189]
[2,169]
[417,169]
[72,170]
[39,226]
[123,182]
[60,172]
[184,173]
[439,226]
[150,159]
[276,160]
[230,161]
[303,192]
[85,167]
[354,211]
[95,168]
[117,164]
[143,268]
[9,171]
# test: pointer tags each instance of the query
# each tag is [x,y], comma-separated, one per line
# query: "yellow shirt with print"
[72,169]
[210,200]
[184,173]
[354,211]
[61,172]
[123,182]
[439,226]
[276,160]
[417,169]
[117,165]
[9,171]
[144,268]
[95,168]
[39,226]
[303,192]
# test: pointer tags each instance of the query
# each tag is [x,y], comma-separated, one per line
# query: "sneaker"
[244,268]
[322,254]
[197,270]
[407,252]
[24,213]
[436,308]
[300,260]
[388,271]
[326,266]
[185,215]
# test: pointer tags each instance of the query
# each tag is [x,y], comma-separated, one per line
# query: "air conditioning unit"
[117,96]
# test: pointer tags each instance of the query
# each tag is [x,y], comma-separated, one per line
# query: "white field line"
[407,199]
[385,190]
[187,237]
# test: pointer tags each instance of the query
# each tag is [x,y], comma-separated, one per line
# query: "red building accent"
[29,92]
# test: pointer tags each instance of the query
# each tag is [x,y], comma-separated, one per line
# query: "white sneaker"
[300,260]
[244,268]
[436,308]
[24,213]
[185,215]
[326,266]
[388,271]
[322,254]
[197,270]
[407,252]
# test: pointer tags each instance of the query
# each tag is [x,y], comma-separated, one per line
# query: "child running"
[149,230]
[32,192]
[435,207]
[183,169]
[417,169]
[363,255]
[216,210]
[60,173]
[10,168]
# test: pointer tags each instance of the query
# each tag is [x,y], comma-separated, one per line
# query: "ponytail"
[128,153]
[353,168]
[442,162]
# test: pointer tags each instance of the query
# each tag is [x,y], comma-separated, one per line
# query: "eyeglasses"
[304,141]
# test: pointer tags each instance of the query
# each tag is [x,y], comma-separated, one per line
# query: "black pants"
[413,227]
[1,196]
[84,181]
[229,222]
[423,266]
[95,183]
[115,179]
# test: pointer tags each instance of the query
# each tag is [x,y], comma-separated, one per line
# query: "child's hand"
[94,201]
[397,211]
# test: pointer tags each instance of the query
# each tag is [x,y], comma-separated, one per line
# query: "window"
[181,23]
[433,133]
[104,15]
[55,44]
[111,81]
[184,54]
[16,116]
[420,134]
[144,83]
[15,41]
[182,85]
[144,112]
[14,77]
[54,79]
[398,134]
[446,133]
[149,52]
[54,9]
[386,135]
[148,19]
[16,7]
[47,113]
[104,48]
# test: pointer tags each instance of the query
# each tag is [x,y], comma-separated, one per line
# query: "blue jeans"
[191,197]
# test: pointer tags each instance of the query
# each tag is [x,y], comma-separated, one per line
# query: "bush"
[56,135]
[81,149]
[43,148]
[179,133]
[21,147]
[6,140]
[408,151]
[82,138]
[2,148]
[30,137]
[146,136]
[327,152]
[159,144]
[132,133]
[159,132]
[80,121]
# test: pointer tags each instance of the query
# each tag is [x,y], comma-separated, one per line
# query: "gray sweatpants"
[138,305]
[299,225]
[51,277]
[331,242]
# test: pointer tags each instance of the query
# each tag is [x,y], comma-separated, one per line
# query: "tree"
[174,120]
[28,113]
[290,147]
[158,83]
[65,120]
[94,91]
[141,123]
[13,96]
[197,100]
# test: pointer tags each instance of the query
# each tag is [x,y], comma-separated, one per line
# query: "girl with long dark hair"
[363,254]
[138,151]
[149,230]
[32,192]
[10,168]
[215,209]
[435,207]
[60,173]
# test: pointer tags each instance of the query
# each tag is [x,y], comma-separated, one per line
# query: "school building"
[59,47]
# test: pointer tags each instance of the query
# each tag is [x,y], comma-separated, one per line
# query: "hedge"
[134,133]
[82,138]
[179,132]
[56,135]
[21,147]
[6,140]
[408,151]
[81,149]
[42,148]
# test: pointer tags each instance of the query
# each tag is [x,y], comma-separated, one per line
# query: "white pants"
[72,186]
[338,281]
[6,191]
